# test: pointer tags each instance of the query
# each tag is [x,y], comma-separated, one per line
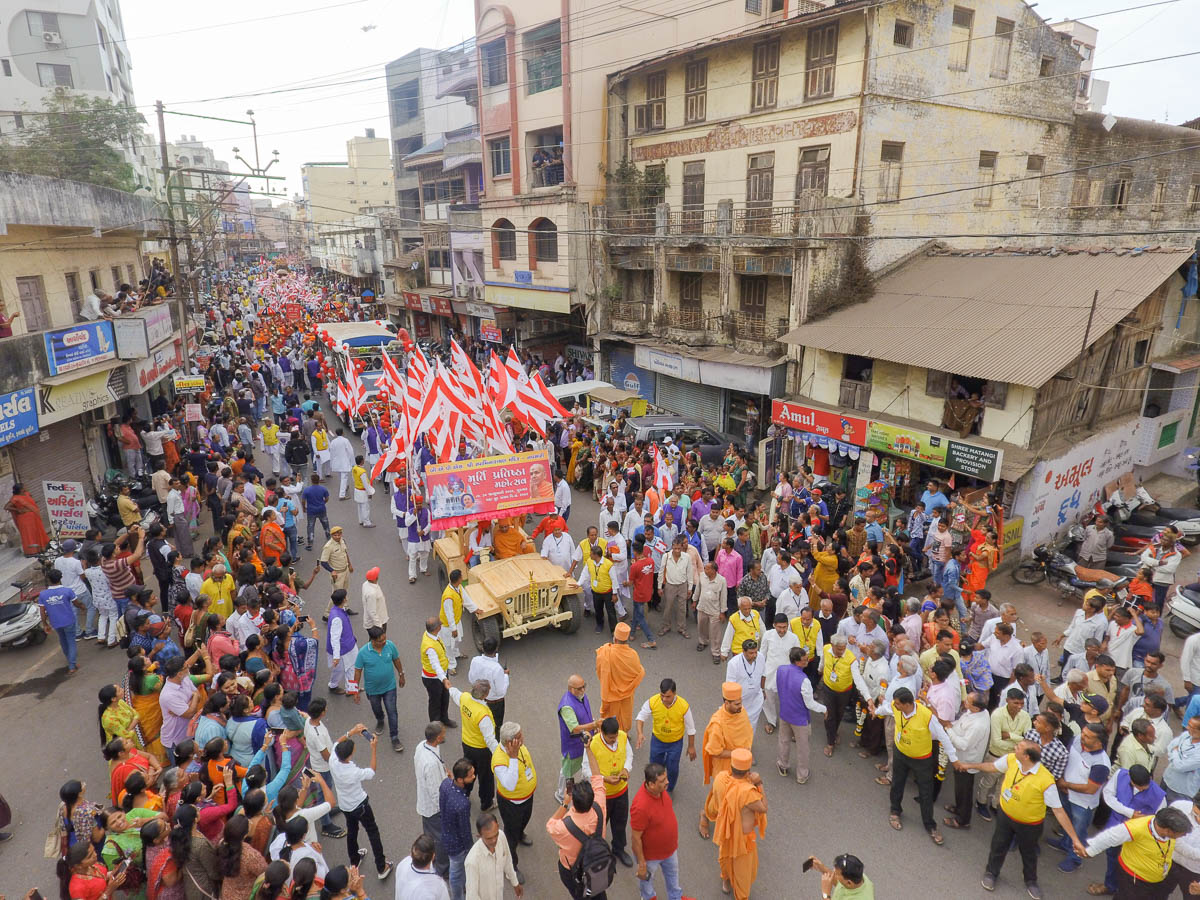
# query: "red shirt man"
[641,576]
[655,830]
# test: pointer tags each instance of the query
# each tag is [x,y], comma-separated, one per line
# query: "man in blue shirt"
[933,498]
[315,497]
[874,529]
[454,805]
[288,507]
[378,673]
[950,581]
[58,605]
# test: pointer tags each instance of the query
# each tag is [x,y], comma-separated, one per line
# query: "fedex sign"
[847,429]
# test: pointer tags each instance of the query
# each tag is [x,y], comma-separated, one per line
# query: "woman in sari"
[170,454]
[305,883]
[76,815]
[984,556]
[140,690]
[160,855]
[28,519]
[270,884]
[117,718]
[575,446]
[296,656]
[124,758]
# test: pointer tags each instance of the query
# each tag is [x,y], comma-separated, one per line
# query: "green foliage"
[638,190]
[75,137]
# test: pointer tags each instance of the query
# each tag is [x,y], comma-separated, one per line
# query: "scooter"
[21,620]
[1116,558]
[1182,611]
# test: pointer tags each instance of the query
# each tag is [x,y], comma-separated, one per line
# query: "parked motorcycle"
[1118,560]
[1142,512]
[103,513]
[20,622]
[1049,563]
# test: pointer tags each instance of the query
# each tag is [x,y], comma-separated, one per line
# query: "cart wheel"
[574,603]
[482,629]
[1029,573]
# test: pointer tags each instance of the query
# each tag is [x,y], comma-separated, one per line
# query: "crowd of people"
[224,775]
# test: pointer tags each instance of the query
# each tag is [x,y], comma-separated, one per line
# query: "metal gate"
[684,398]
[61,458]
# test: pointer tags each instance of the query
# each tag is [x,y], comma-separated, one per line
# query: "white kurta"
[749,676]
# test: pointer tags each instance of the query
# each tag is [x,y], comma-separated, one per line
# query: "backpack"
[595,866]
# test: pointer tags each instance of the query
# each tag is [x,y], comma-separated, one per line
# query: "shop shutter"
[694,401]
[61,458]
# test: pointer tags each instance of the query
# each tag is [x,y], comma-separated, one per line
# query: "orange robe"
[737,851]
[620,672]
[724,732]
[509,543]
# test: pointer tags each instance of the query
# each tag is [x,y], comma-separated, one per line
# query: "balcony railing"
[687,319]
[756,328]
[632,222]
[692,222]
[628,310]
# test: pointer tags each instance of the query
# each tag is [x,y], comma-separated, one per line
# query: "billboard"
[490,488]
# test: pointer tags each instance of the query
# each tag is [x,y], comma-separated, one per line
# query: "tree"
[75,137]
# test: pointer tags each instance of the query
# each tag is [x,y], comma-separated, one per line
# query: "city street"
[51,735]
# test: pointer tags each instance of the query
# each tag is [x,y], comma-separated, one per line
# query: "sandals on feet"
[883,780]
[894,821]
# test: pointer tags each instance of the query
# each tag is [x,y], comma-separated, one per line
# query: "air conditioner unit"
[52,37]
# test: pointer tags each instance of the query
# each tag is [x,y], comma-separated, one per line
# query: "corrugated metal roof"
[708,354]
[1012,316]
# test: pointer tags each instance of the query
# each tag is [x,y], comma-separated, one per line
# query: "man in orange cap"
[738,791]
[728,730]
[375,612]
[620,672]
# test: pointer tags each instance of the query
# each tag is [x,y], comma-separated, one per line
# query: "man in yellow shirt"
[131,514]
[516,780]
[361,480]
[599,569]
[671,720]
[218,588]
[838,681]
[1147,850]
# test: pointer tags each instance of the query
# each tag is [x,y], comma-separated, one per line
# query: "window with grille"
[1002,48]
[693,194]
[73,293]
[821,61]
[500,156]
[493,59]
[543,58]
[902,34]
[754,6]
[1031,187]
[760,180]
[960,38]
[765,71]
[813,173]
[1119,197]
[695,97]
[506,239]
[1046,68]
[891,161]
[655,116]
[54,75]
[1193,197]
[986,177]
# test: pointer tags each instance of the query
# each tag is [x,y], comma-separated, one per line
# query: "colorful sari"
[983,560]
[158,863]
[28,519]
[149,714]
[120,721]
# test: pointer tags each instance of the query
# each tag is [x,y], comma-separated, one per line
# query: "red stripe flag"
[393,381]
[662,472]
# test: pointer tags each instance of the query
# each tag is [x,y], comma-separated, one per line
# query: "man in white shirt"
[341,461]
[416,878]
[781,574]
[793,598]
[1003,652]
[489,863]
[431,772]
[89,310]
[487,667]
[777,645]
[1088,622]
[748,669]
[558,548]
[181,527]
[562,496]
[374,604]
[1153,708]
[320,750]
[970,735]
[348,779]
[72,577]
[635,517]
[617,492]
[675,585]
[770,556]
[1189,669]
[609,513]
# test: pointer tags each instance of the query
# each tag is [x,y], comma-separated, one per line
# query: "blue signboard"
[624,374]
[80,346]
[18,416]
[523,276]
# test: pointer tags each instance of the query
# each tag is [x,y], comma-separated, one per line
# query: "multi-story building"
[762,180]
[63,379]
[1090,93]
[80,45]
[354,249]
[542,79]
[420,113]
[335,190]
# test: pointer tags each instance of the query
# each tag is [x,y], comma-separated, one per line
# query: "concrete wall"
[38,200]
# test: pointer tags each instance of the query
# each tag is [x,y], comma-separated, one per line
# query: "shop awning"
[78,374]
[1017,316]
[1178,364]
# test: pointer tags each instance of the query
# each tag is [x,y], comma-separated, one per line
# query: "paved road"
[50,730]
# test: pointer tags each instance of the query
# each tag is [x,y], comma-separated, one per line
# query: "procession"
[243,763]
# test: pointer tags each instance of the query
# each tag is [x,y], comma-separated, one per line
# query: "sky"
[240,48]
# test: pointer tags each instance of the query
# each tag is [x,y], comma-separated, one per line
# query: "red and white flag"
[356,393]
[397,447]
[662,472]
[393,381]
[494,431]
